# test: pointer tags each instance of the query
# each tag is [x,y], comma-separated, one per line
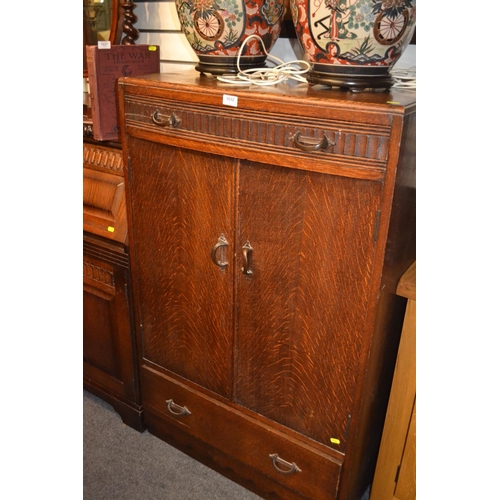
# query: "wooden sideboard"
[269,228]
[109,353]
[109,358]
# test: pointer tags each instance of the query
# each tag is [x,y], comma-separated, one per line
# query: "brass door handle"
[308,145]
[290,468]
[221,243]
[247,250]
[171,121]
[176,410]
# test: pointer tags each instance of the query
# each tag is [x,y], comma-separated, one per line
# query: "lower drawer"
[271,452]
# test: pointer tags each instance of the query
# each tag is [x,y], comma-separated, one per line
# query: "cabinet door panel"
[181,204]
[302,310]
[107,348]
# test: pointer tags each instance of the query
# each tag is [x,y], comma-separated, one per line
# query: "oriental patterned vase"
[216,29]
[353,43]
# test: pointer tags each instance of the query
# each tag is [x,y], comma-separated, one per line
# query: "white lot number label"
[230,100]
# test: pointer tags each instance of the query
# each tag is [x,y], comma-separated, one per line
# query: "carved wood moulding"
[110,252]
[363,145]
[101,158]
[99,274]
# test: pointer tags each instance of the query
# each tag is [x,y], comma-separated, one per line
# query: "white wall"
[158,24]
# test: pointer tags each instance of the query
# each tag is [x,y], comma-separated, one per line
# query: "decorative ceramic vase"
[216,30]
[353,43]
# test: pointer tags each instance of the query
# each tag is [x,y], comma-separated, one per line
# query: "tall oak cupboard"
[268,230]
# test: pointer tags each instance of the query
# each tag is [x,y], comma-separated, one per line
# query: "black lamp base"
[218,66]
[349,80]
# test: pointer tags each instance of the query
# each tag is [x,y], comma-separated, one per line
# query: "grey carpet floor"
[120,463]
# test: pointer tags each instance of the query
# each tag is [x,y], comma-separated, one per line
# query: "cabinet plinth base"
[234,470]
[130,415]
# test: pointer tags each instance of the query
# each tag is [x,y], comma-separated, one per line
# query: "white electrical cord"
[267,76]
[406,78]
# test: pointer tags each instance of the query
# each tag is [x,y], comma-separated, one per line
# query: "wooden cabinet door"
[107,337]
[182,208]
[302,309]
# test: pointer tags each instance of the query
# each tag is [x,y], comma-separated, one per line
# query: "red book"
[104,67]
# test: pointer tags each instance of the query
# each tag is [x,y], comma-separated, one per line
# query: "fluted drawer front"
[351,146]
[281,457]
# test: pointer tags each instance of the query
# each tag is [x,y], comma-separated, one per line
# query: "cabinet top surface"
[393,101]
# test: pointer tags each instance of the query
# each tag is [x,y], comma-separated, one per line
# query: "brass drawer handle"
[221,243]
[247,250]
[290,467]
[171,121]
[309,146]
[177,410]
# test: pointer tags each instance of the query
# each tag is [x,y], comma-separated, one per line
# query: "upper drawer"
[104,211]
[323,145]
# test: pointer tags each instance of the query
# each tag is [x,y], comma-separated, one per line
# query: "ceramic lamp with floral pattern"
[353,43]
[216,29]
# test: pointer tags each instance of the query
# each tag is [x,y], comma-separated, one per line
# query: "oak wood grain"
[242,437]
[181,204]
[303,329]
[301,312]
[109,362]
